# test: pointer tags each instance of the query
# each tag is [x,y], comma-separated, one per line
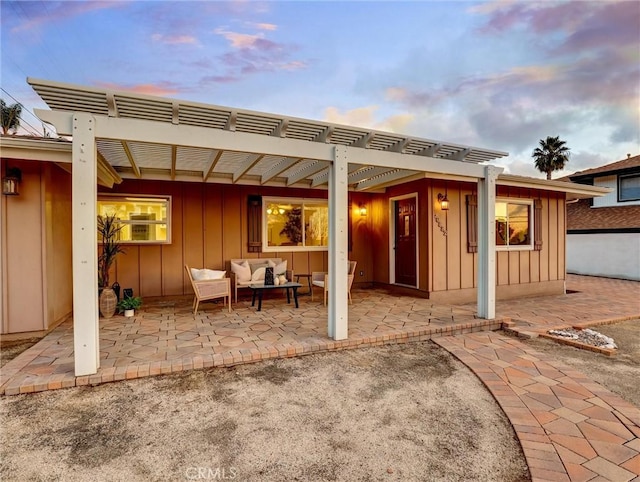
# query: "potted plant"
[109,229]
[129,305]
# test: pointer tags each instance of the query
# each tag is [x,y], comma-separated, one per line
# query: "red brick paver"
[570,427]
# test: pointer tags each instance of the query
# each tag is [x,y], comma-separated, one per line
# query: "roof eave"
[572,190]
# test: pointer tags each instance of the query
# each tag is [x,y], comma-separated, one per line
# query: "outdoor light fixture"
[363,210]
[275,210]
[10,181]
[444,202]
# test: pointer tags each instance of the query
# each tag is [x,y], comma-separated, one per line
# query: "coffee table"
[260,289]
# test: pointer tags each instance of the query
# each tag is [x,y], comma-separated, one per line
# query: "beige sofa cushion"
[241,270]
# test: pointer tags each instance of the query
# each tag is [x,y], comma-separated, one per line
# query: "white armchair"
[321,280]
[209,289]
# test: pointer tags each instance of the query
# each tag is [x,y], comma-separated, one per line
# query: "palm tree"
[10,116]
[551,156]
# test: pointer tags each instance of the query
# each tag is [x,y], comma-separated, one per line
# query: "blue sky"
[499,74]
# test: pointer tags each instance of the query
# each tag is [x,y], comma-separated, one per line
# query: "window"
[513,224]
[145,220]
[629,187]
[298,224]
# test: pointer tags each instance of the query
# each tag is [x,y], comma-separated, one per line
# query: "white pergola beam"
[174,156]
[213,160]
[487,243]
[305,172]
[370,157]
[389,176]
[135,130]
[278,169]
[132,161]
[366,173]
[84,194]
[338,311]
[246,165]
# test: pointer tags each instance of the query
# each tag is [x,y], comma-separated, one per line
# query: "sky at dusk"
[498,75]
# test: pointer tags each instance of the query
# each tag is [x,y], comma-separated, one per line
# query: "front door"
[405,241]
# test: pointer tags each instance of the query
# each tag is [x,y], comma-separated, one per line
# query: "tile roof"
[580,215]
[624,164]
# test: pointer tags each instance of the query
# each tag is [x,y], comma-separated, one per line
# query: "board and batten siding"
[448,272]
[37,290]
[209,227]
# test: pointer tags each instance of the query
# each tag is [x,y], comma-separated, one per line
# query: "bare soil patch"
[400,412]
[11,349]
[619,373]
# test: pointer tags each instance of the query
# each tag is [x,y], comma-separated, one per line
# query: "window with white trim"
[144,219]
[629,187]
[514,224]
[295,224]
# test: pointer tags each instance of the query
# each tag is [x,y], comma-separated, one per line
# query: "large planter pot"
[108,302]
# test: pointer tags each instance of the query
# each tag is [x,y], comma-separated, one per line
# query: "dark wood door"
[405,246]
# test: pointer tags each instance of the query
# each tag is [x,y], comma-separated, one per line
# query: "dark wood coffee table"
[260,289]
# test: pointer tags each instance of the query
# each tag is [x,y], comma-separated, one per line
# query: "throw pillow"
[256,266]
[206,274]
[241,270]
[258,275]
[280,268]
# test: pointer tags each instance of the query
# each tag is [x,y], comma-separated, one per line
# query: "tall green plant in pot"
[109,229]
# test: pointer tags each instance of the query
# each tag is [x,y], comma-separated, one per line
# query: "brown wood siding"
[206,231]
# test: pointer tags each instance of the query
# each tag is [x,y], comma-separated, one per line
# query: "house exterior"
[602,233]
[201,185]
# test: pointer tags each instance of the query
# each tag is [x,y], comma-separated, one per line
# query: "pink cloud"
[253,53]
[266,26]
[239,40]
[175,39]
[162,89]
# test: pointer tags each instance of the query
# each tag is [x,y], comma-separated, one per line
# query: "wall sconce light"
[363,210]
[444,202]
[10,181]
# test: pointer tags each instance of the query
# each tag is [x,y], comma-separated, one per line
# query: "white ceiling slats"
[148,160]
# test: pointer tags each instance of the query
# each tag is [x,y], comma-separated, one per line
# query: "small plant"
[129,303]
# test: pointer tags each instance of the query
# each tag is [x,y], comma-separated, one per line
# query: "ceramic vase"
[108,302]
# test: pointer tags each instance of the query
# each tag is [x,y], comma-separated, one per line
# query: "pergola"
[123,135]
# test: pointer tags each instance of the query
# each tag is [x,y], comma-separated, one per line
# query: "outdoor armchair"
[209,289]
[321,280]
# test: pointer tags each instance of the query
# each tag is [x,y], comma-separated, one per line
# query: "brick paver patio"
[166,337]
[570,428]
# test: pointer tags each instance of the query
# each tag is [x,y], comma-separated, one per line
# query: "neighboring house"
[200,185]
[603,233]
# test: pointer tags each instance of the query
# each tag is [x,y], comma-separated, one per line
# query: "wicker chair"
[321,280]
[209,289]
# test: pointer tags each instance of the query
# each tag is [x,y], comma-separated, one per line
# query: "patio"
[166,337]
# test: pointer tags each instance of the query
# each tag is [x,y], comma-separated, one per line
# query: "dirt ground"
[11,349]
[400,412]
[619,373]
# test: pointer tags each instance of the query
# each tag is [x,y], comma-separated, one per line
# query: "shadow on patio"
[166,337]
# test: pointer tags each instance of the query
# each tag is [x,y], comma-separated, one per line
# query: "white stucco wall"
[614,255]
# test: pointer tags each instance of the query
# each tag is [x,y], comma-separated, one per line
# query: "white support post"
[84,190]
[487,243]
[338,312]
